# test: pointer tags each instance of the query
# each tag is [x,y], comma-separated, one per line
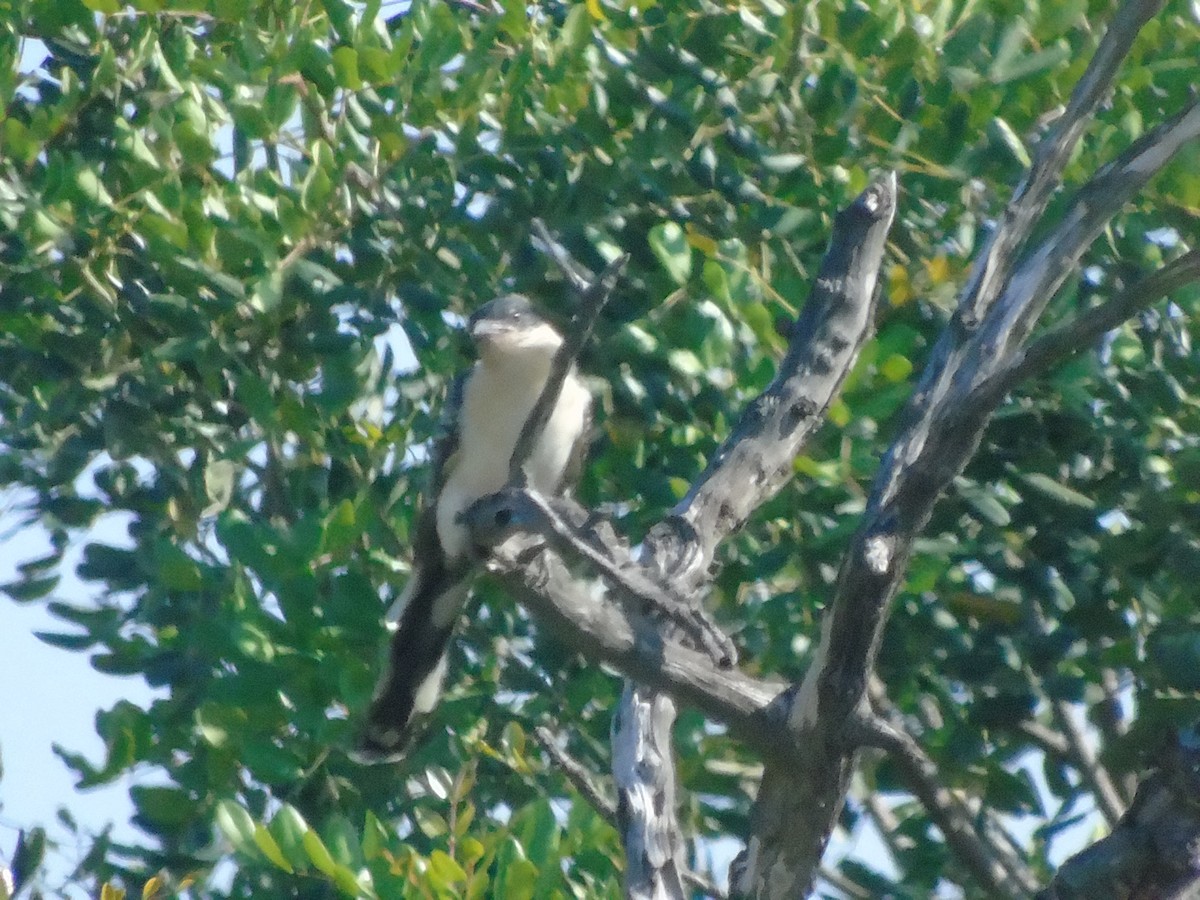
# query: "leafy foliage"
[216,213]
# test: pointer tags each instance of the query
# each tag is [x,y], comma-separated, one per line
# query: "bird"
[484,413]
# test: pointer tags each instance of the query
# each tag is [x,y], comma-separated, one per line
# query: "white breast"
[496,403]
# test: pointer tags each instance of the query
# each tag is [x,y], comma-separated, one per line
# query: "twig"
[1082,332]
[887,824]
[1108,799]
[1043,270]
[579,276]
[582,780]
[1047,738]
[704,884]
[1110,719]
[591,303]
[991,864]
[651,596]
[845,884]
[1029,200]
[578,774]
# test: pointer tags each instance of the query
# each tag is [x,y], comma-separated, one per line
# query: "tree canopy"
[237,239]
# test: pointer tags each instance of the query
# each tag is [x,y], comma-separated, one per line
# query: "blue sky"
[49,696]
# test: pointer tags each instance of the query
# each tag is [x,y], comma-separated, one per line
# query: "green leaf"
[1175,651]
[288,828]
[270,849]
[176,571]
[375,837]
[445,870]
[515,876]
[28,589]
[237,826]
[1010,139]
[169,806]
[341,529]
[28,856]
[65,641]
[318,854]
[896,367]
[670,245]
[1055,490]
[345,67]
[1032,63]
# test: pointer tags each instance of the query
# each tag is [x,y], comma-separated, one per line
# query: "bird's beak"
[487,330]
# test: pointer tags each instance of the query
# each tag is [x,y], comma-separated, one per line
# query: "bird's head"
[509,328]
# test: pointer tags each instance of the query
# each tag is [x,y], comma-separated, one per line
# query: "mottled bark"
[809,734]
[1154,852]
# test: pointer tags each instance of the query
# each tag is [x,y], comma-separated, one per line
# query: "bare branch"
[581,614]
[1044,269]
[1152,853]
[755,461]
[887,824]
[1049,740]
[704,885]
[798,804]
[846,885]
[579,276]
[583,781]
[1069,743]
[1109,716]
[1084,759]
[577,774]
[644,774]
[751,466]
[635,589]
[1085,330]
[591,303]
[990,861]
[1029,200]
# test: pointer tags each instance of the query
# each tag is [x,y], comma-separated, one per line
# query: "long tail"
[412,682]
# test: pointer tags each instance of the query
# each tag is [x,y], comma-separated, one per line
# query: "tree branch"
[577,774]
[1049,740]
[951,817]
[990,860]
[1042,272]
[798,804]
[1029,200]
[1154,852]
[643,768]
[582,780]
[1084,759]
[640,593]
[581,614]
[755,461]
[1082,332]
[751,466]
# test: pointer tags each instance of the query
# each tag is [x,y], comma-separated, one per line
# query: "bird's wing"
[573,470]
[427,547]
[416,654]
